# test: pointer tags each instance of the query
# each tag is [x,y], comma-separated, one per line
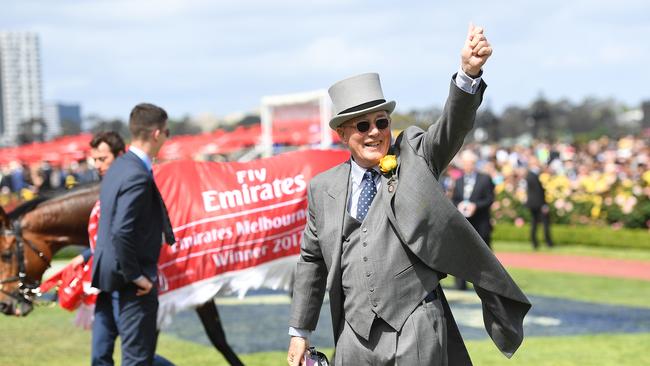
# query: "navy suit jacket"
[535,191]
[483,196]
[131,225]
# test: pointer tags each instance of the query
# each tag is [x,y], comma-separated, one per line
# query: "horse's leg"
[212,323]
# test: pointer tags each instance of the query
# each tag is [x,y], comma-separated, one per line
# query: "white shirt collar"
[356,173]
[143,156]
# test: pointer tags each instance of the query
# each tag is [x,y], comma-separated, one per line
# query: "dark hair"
[112,139]
[144,119]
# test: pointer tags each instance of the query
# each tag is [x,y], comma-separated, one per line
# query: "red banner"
[234,223]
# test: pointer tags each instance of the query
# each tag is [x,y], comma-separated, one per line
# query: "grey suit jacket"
[426,222]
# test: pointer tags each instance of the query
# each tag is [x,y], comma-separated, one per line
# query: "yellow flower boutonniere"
[388,163]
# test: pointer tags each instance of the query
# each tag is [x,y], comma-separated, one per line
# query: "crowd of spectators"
[605,181]
[21,182]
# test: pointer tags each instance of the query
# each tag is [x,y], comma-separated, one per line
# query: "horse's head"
[12,298]
[31,234]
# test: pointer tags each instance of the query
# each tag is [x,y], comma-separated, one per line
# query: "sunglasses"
[364,126]
[167,132]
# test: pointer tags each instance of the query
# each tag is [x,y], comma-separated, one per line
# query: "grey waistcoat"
[380,277]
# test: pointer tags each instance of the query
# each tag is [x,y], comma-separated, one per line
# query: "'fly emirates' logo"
[253,188]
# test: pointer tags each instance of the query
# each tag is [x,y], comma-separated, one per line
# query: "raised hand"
[475,52]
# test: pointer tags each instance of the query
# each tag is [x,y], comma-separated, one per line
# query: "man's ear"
[341,132]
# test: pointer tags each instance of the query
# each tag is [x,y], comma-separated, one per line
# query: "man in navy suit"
[474,195]
[133,224]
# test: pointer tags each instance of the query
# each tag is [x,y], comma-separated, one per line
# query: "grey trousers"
[421,341]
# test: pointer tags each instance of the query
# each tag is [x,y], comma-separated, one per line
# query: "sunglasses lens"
[381,123]
[363,126]
[167,132]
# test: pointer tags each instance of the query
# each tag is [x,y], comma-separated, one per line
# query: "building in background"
[21,106]
[62,119]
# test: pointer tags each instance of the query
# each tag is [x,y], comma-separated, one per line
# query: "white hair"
[466,155]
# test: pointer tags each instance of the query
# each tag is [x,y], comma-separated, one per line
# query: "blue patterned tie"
[368,192]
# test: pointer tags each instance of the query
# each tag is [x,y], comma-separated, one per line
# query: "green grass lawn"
[586,288]
[70,346]
[597,350]
[48,337]
[615,253]
[604,290]
[591,235]
[589,350]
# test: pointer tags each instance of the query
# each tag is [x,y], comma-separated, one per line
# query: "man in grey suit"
[381,234]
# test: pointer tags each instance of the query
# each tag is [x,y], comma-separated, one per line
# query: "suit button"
[365,244]
[364,230]
[374,304]
[365,259]
[372,289]
[368,274]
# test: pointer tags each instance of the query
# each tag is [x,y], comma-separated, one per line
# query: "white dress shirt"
[356,178]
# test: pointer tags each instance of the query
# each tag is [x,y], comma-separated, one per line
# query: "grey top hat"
[356,96]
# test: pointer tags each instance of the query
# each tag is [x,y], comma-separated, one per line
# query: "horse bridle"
[26,291]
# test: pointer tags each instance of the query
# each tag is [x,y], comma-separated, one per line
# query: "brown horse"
[31,235]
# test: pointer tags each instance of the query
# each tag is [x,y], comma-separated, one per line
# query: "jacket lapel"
[335,209]
[168,230]
[335,204]
[389,187]
[475,189]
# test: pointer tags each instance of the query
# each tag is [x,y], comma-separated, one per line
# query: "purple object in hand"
[315,358]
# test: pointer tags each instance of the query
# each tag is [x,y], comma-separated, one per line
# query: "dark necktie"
[368,192]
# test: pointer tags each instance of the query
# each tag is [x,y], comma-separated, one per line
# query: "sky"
[221,57]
